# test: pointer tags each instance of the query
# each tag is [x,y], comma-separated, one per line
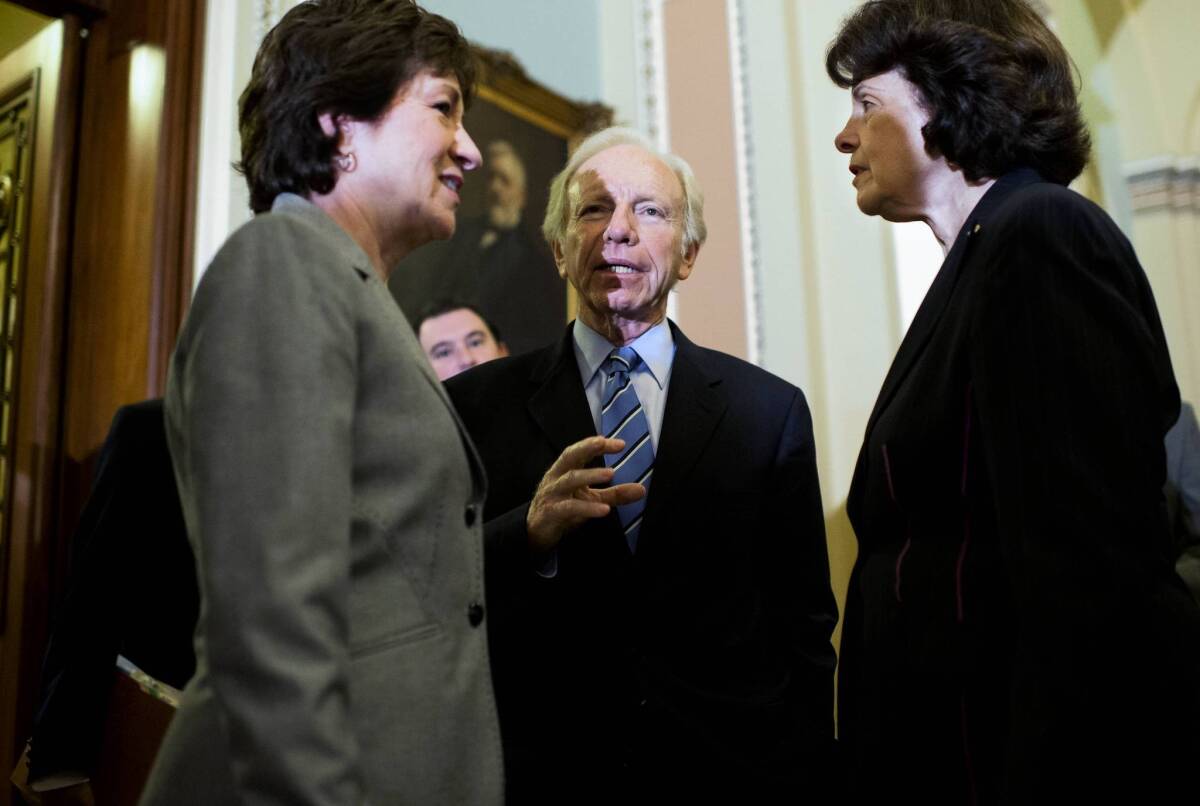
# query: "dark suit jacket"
[1183,495]
[1014,629]
[132,591]
[704,660]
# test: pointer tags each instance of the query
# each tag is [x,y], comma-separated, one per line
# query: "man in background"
[456,336]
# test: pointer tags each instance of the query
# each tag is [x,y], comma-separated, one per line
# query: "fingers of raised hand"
[579,483]
[582,452]
[620,494]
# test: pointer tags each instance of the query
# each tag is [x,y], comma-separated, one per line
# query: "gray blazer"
[333,502]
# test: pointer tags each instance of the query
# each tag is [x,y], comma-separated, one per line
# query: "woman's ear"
[336,125]
[327,124]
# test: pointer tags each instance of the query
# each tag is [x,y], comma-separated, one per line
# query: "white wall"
[556,41]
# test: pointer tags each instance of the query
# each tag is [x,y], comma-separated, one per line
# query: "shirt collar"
[656,347]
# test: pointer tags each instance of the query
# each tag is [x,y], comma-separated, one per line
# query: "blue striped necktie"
[622,416]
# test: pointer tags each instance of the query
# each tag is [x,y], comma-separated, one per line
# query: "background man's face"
[505,189]
[458,340]
[623,245]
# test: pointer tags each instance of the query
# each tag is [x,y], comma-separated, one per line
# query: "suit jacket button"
[469,515]
[475,614]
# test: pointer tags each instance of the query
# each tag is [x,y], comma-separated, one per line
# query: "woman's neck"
[955,198]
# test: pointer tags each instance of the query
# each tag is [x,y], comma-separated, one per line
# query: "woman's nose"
[846,140]
[466,153]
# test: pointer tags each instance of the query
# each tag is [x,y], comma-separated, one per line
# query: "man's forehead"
[459,319]
[626,166]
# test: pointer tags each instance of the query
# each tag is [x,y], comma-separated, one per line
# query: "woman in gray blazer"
[330,493]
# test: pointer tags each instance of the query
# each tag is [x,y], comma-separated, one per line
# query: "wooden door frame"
[55,489]
[37,426]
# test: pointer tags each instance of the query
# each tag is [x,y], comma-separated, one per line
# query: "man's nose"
[621,228]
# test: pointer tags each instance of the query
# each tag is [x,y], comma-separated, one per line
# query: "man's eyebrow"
[666,204]
[592,194]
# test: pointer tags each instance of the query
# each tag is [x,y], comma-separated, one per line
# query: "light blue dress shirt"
[650,380]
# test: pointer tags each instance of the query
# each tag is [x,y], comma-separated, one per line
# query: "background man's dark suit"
[132,591]
[703,660]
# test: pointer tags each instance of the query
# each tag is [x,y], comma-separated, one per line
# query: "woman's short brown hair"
[998,85]
[342,57]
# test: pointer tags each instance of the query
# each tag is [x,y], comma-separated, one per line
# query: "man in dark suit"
[659,594]
[132,591]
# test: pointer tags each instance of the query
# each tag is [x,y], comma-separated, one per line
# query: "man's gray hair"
[554,227]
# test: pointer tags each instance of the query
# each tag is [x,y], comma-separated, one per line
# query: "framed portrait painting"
[497,259]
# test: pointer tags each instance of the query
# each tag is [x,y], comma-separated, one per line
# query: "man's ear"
[559,260]
[501,349]
[688,261]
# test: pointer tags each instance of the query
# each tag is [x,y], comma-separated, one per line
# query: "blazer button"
[475,614]
[469,515]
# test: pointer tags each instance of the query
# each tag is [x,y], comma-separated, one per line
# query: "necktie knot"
[620,362]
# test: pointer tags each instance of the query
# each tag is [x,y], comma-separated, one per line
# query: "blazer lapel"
[923,324]
[695,405]
[934,305]
[942,289]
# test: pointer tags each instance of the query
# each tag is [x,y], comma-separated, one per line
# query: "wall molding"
[267,14]
[744,161]
[1164,183]
[652,72]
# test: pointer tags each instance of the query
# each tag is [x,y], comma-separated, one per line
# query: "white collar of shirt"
[656,347]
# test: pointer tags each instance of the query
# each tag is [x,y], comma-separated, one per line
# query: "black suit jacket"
[132,590]
[702,662]
[1014,629]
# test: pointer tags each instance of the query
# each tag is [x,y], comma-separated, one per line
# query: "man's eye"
[475,341]
[445,107]
[440,353]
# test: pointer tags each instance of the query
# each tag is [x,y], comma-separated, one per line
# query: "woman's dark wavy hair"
[344,57]
[998,85]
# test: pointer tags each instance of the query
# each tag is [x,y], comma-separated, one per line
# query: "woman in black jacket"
[1015,632]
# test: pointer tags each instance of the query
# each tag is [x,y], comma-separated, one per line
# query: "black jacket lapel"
[940,291]
[558,405]
[936,299]
[695,405]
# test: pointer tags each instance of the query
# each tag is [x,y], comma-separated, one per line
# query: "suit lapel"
[558,404]
[695,405]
